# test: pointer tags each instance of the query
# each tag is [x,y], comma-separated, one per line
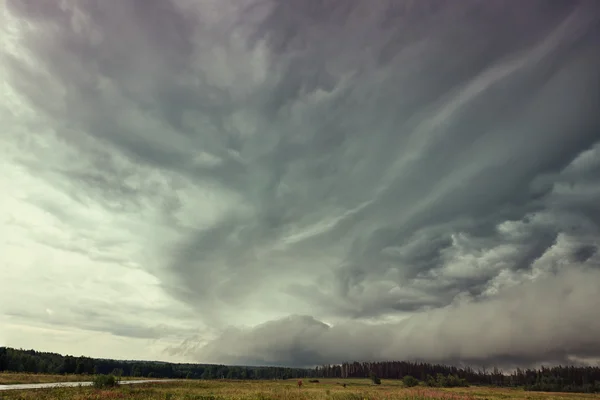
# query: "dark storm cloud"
[378,159]
[584,253]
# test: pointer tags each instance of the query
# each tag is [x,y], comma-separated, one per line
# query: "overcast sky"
[296,182]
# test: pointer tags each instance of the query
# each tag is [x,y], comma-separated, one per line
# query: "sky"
[288,182]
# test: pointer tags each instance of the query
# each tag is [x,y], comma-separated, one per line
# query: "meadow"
[326,389]
[15,378]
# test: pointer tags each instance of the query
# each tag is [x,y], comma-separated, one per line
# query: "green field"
[326,389]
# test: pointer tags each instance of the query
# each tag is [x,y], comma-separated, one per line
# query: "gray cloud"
[354,164]
[511,328]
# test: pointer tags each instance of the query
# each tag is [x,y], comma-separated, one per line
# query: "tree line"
[549,379]
[19,360]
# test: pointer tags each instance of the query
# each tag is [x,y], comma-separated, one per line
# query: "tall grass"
[280,390]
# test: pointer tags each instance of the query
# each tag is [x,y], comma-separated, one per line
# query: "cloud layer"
[290,182]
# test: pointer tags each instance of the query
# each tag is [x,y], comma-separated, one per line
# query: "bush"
[455,381]
[410,381]
[375,379]
[430,381]
[445,381]
[105,381]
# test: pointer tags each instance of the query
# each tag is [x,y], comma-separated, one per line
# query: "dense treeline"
[554,379]
[563,379]
[17,360]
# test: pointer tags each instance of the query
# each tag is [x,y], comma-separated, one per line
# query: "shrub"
[375,379]
[445,381]
[430,381]
[105,381]
[410,381]
[455,381]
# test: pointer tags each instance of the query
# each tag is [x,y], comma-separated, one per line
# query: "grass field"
[12,378]
[285,390]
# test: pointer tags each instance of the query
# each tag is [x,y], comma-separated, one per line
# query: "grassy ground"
[285,390]
[12,378]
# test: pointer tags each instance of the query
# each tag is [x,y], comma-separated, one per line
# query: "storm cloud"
[303,182]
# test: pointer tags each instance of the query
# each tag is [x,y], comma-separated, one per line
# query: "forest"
[550,379]
[19,360]
[546,379]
